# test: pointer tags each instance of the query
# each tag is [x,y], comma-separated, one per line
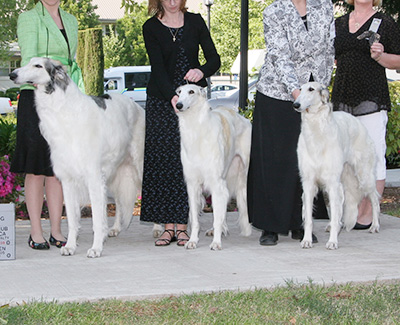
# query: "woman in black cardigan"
[172,37]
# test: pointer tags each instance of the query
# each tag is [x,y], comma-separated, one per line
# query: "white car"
[5,106]
[221,90]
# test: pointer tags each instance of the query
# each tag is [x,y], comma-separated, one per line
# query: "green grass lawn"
[376,303]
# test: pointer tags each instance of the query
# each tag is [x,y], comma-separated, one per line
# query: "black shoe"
[359,226]
[56,242]
[34,245]
[298,234]
[268,238]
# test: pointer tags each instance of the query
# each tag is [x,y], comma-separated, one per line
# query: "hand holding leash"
[194,75]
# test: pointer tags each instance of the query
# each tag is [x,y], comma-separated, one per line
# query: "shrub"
[393,126]
[8,134]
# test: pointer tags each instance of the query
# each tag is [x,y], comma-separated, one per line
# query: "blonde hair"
[155,8]
[374,3]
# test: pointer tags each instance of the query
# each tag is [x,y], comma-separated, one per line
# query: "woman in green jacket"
[44,31]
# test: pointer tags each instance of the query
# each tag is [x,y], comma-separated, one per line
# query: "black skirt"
[274,187]
[32,153]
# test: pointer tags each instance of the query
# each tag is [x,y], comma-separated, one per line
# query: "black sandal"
[166,241]
[182,241]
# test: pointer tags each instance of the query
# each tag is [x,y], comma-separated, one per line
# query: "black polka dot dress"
[164,194]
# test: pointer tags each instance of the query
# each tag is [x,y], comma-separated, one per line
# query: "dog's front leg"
[97,194]
[194,194]
[336,199]
[309,192]
[72,207]
[220,195]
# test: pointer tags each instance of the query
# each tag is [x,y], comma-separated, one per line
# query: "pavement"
[131,267]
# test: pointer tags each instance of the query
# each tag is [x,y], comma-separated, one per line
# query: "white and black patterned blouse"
[295,52]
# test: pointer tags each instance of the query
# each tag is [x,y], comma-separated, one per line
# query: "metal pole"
[209,25]
[244,45]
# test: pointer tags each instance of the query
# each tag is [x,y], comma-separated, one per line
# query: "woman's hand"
[377,50]
[194,75]
[295,93]
[174,100]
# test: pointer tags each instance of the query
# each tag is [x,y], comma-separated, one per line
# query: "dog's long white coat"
[336,154]
[94,146]
[215,150]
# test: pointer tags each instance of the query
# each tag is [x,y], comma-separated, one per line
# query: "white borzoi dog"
[336,154]
[215,150]
[96,144]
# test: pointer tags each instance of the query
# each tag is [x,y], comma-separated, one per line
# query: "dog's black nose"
[179,106]
[13,76]
[296,105]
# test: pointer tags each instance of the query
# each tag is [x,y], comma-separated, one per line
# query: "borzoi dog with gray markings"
[96,144]
[215,149]
[335,154]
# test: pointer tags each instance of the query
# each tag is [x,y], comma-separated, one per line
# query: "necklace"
[357,24]
[174,35]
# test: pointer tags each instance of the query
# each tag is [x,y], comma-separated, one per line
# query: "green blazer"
[39,36]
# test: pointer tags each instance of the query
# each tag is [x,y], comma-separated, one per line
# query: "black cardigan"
[162,52]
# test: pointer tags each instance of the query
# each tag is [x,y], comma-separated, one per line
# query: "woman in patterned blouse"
[360,86]
[299,38]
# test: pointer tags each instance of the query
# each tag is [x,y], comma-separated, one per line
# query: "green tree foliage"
[9,11]
[91,60]
[225,28]
[83,10]
[126,45]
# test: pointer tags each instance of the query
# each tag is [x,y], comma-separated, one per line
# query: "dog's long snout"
[13,76]
[296,105]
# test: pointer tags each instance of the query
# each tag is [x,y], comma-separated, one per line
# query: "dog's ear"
[203,92]
[324,95]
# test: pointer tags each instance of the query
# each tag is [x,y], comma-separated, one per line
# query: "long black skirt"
[274,188]
[32,153]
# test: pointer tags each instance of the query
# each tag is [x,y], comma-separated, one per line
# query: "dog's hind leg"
[352,197]
[220,195]
[336,199]
[194,194]
[374,198]
[241,201]
[125,187]
[98,198]
[72,206]
[310,190]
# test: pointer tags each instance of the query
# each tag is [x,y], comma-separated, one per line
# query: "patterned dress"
[164,194]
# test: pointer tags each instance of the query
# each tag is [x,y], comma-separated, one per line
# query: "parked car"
[221,90]
[130,81]
[231,99]
[5,106]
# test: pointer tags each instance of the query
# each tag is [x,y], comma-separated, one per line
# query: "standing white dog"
[95,143]
[215,149]
[336,154]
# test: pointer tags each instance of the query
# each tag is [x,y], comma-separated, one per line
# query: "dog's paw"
[191,245]
[306,244]
[92,252]
[246,231]
[215,246]
[374,228]
[331,245]
[157,230]
[210,232]
[67,250]
[113,232]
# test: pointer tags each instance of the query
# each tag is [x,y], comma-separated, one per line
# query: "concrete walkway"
[133,268]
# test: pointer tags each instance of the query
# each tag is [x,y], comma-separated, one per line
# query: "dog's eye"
[191,92]
[311,89]
[38,66]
